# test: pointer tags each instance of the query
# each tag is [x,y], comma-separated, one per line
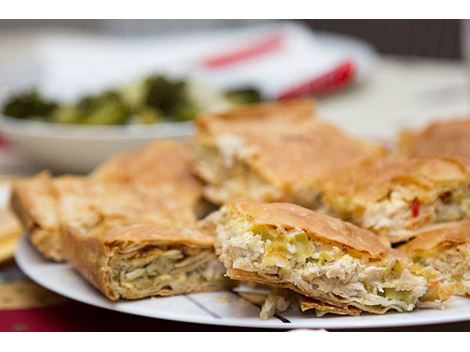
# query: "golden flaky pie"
[134,261]
[439,138]
[10,232]
[397,197]
[445,247]
[272,152]
[323,258]
[45,204]
[162,166]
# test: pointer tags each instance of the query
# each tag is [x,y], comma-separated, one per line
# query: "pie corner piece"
[133,261]
[397,197]
[321,258]
[446,248]
[262,153]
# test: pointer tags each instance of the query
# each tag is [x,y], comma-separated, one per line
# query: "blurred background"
[371,77]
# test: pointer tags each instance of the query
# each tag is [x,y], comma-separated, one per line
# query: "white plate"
[219,308]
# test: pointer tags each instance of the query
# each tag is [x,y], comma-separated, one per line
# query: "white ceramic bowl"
[77,148]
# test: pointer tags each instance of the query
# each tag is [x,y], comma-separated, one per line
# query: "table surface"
[399,93]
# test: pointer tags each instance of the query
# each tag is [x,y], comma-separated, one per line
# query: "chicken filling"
[152,269]
[453,263]
[401,211]
[320,270]
[230,177]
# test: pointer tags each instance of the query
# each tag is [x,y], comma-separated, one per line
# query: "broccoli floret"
[146,116]
[66,114]
[107,108]
[170,97]
[243,95]
[29,104]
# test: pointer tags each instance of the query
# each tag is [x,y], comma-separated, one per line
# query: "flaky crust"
[284,148]
[34,202]
[272,280]
[241,119]
[317,226]
[440,138]
[372,181]
[322,308]
[90,252]
[45,205]
[442,235]
[161,166]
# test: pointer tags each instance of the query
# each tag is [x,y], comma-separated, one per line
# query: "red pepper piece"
[445,197]
[415,205]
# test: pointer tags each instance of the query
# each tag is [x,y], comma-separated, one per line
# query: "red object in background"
[262,47]
[415,205]
[4,143]
[335,79]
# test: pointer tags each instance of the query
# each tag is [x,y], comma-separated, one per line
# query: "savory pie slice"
[445,247]
[162,166]
[272,152]
[439,138]
[323,258]
[34,202]
[10,232]
[133,261]
[397,197]
[45,204]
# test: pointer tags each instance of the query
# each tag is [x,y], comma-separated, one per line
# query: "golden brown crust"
[372,181]
[281,145]
[446,234]
[439,138]
[161,166]
[90,252]
[84,202]
[316,225]
[156,234]
[271,280]
[89,256]
[45,205]
[241,119]
[34,202]
[322,308]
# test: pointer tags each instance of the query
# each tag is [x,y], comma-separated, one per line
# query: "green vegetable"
[154,99]
[146,116]
[28,104]
[107,108]
[66,114]
[163,94]
[243,95]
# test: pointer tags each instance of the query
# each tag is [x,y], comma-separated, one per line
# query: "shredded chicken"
[454,264]
[274,303]
[393,215]
[322,270]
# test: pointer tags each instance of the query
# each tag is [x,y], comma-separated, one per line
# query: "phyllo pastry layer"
[45,204]
[272,152]
[397,197]
[446,248]
[162,166]
[320,257]
[439,138]
[134,261]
